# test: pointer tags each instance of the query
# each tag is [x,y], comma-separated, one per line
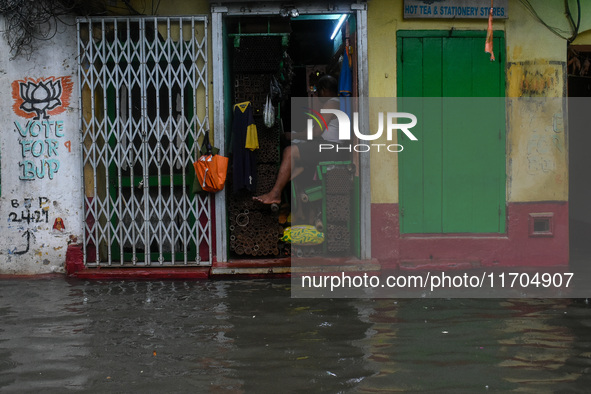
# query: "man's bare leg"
[291,153]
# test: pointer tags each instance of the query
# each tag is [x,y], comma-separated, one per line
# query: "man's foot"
[269,198]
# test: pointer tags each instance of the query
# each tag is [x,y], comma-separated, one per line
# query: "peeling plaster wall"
[537,154]
[41,201]
[537,157]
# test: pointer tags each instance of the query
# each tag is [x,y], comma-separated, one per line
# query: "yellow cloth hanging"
[252,137]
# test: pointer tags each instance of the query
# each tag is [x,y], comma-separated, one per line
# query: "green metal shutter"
[453,179]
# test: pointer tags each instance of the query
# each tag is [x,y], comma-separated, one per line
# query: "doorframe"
[359,9]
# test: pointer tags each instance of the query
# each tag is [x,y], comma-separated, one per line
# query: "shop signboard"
[450,9]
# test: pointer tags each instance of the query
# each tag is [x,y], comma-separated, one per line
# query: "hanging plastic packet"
[269,113]
[275,90]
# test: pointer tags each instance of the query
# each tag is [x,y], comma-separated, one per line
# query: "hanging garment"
[244,142]
[252,138]
[346,85]
[346,77]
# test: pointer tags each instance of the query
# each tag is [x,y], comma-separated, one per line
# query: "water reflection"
[250,336]
[524,345]
[287,344]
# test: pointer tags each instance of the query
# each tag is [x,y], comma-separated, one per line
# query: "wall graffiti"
[29,211]
[541,152]
[39,137]
[26,214]
[27,235]
[544,145]
[40,155]
[42,97]
[59,225]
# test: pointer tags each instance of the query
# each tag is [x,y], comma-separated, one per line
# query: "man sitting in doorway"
[308,151]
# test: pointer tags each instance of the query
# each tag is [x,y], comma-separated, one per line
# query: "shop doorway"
[286,51]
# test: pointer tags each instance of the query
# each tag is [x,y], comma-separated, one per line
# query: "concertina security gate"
[144,105]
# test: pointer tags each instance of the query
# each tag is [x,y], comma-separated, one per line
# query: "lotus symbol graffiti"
[40,97]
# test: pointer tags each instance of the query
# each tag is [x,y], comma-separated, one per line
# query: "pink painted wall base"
[537,235]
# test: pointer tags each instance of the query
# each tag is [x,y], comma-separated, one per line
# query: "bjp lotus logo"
[42,97]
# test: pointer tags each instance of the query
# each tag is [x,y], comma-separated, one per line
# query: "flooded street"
[250,336]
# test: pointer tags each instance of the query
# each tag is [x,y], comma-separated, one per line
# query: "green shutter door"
[453,179]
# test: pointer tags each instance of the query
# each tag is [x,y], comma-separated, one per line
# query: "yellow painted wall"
[584,38]
[536,154]
[172,7]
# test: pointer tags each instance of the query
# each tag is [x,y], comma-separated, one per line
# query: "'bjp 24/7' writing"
[27,213]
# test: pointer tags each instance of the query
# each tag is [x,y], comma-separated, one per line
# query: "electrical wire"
[155,11]
[30,21]
[557,31]
[570,17]
[130,7]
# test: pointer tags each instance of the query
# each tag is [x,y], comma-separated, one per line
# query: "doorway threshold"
[285,267]
[235,268]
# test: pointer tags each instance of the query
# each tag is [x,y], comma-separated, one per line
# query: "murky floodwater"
[250,336]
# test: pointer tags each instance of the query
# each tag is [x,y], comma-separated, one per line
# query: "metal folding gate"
[144,112]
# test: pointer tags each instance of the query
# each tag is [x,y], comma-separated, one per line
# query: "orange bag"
[211,172]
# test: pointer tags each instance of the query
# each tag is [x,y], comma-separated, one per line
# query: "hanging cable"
[564,34]
[37,20]
[157,6]
[130,8]
[572,22]
[30,21]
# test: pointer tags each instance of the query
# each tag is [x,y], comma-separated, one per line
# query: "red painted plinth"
[518,246]
[143,273]
[74,259]
[75,268]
